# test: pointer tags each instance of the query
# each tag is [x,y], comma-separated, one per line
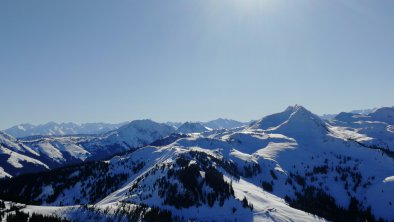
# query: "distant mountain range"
[37,153]
[190,127]
[357,111]
[53,145]
[60,129]
[220,123]
[288,166]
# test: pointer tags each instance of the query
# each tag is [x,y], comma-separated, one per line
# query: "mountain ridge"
[58,151]
[58,129]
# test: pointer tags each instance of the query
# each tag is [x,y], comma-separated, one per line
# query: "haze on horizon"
[114,61]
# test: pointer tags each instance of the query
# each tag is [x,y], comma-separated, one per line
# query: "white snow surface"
[16,160]
[295,141]
[267,207]
[140,132]
[3,174]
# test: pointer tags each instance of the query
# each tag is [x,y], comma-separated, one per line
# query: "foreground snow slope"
[146,186]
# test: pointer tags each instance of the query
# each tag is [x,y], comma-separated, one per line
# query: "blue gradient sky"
[112,61]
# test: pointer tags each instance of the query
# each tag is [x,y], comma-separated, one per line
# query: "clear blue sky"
[112,61]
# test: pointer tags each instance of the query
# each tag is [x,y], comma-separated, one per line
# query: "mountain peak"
[144,124]
[274,120]
[223,123]
[192,127]
[295,108]
[302,124]
[141,132]
[302,112]
[295,121]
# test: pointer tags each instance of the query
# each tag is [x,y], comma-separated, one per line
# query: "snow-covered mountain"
[374,129]
[274,120]
[295,122]
[17,158]
[357,111]
[175,125]
[192,127]
[221,123]
[139,132]
[60,129]
[385,114]
[177,183]
[363,111]
[328,116]
[56,151]
[284,167]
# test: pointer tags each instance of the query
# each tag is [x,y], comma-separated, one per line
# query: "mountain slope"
[374,129]
[221,123]
[16,158]
[385,114]
[273,120]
